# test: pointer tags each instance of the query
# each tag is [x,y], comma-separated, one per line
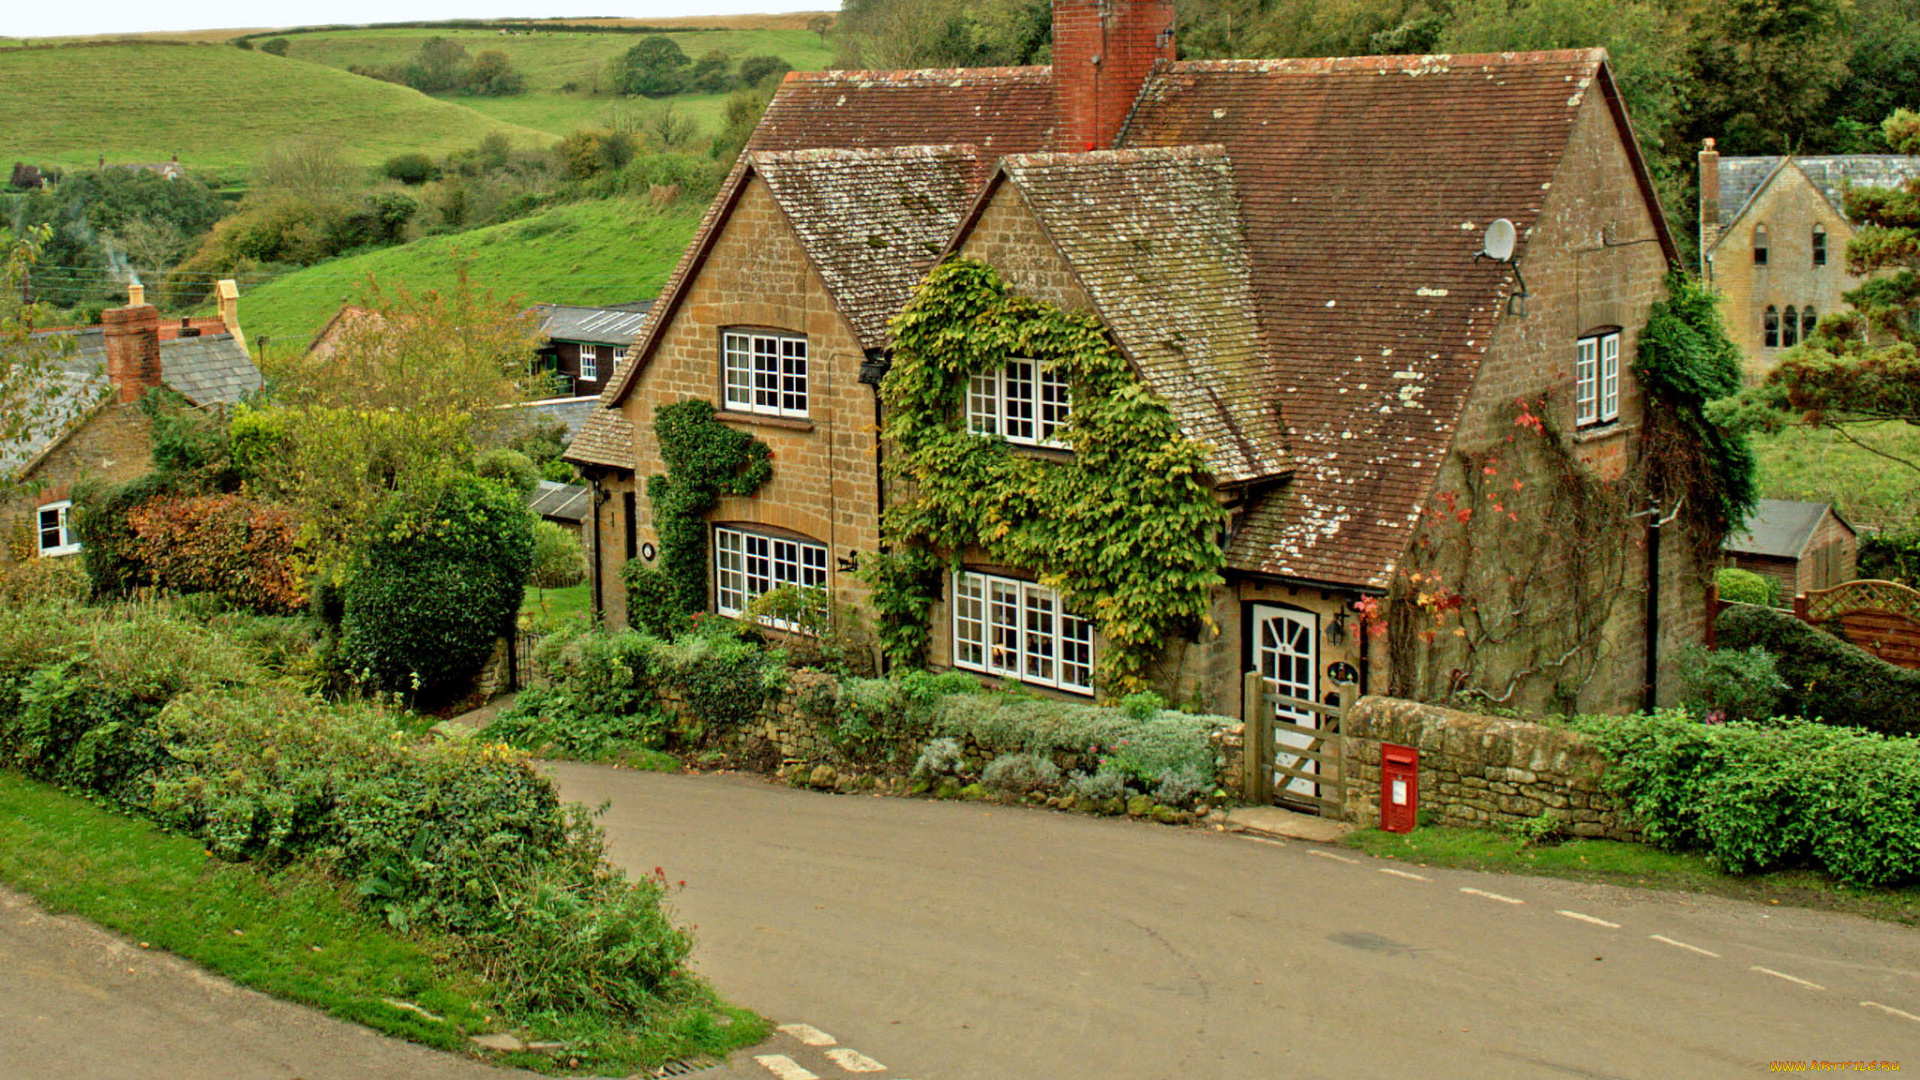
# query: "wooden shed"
[1803,545]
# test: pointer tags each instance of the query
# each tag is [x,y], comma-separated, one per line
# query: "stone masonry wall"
[1480,771]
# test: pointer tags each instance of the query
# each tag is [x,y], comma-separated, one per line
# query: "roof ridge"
[1414,64]
[930,151]
[873,75]
[1120,156]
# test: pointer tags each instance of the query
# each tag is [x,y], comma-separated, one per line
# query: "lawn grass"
[1819,466]
[601,252]
[292,935]
[218,107]
[552,609]
[1640,865]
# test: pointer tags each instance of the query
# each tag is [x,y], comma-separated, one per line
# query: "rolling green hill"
[218,107]
[603,252]
[552,59]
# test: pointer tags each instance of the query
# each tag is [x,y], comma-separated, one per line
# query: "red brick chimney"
[133,350]
[1103,51]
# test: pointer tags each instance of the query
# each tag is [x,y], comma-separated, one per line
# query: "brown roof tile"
[605,438]
[1156,239]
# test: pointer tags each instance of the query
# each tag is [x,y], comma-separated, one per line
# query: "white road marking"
[1589,919]
[1790,978]
[854,1061]
[1335,858]
[808,1034]
[1262,839]
[1403,873]
[1683,945]
[784,1067]
[1491,895]
[1891,1011]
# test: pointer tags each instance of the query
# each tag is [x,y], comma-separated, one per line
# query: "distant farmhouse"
[104,434]
[1773,240]
[1284,252]
[585,344]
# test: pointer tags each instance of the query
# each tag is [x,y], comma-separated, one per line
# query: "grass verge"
[1614,863]
[553,609]
[293,935]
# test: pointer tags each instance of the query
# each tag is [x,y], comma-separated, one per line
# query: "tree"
[492,75]
[756,70]
[1767,69]
[654,67]
[31,409]
[711,74]
[439,66]
[1861,366]
[820,24]
[275,46]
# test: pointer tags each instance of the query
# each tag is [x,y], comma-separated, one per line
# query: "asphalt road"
[948,941]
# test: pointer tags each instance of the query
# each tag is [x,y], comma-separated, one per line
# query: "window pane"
[983,405]
[1038,643]
[759,565]
[1610,377]
[731,588]
[1076,653]
[1770,326]
[969,621]
[793,376]
[1808,319]
[1003,624]
[739,370]
[1586,383]
[1790,329]
[1055,405]
[1819,246]
[766,374]
[1018,417]
[52,528]
[589,362]
[813,566]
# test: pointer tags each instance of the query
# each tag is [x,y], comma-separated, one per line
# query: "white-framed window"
[1596,379]
[619,357]
[748,565]
[56,530]
[764,372]
[1021,403]
[590,363]
[1017,629]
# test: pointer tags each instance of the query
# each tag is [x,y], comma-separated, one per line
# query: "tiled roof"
[1741,178]
[871,221]
[616,325]
[605,438]
[1365,185]
[69,395]
[1155,237]
[212,369]
[571,412]
[1779,529]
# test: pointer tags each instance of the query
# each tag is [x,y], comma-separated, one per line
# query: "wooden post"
[1801,609]
[1256,753]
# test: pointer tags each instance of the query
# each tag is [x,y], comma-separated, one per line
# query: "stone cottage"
[1773,240]
[1286,253]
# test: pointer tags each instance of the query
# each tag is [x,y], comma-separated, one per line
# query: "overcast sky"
[36,18]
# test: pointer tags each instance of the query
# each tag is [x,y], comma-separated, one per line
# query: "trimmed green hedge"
[1764,797]
[1827,679]
[1739,586]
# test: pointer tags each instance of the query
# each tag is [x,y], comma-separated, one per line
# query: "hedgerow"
[1827,679]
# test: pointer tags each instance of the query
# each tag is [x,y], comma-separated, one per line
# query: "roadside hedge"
[1763,797]
[1827,679]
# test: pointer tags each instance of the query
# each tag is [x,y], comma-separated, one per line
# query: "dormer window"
[1770,327]
[590,363]
[764,372]
[1596,379]
[1759,245]
[1022,403]
[1819,245]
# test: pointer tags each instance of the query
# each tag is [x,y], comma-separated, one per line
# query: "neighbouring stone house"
[1802,545]
[1285,253]
[104,434]
[584,345]
[1773,240]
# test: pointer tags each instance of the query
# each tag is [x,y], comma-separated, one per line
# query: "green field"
[603,252]
[551,59]
[1818,466]
[218,107]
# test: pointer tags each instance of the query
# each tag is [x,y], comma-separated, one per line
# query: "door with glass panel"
[1285,655]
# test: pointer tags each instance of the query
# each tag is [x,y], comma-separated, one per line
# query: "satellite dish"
[1499,242]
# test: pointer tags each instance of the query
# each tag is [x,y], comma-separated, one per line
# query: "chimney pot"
[136,294]
[133,350]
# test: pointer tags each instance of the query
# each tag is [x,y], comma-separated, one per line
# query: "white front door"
[1285,654]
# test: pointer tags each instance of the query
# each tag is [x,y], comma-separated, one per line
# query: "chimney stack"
[1709,205]
[1103,51]
[133,350]
[228,292]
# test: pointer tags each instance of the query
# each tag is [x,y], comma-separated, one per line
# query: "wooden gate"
[1299,765]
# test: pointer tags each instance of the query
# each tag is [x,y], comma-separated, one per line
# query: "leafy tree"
[492,75]
[439,66]
[758,70]
[1767,69]
[711,74]
[412,169]
[654,67]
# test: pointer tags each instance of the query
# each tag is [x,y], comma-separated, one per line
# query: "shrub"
[411,169]
[510,468]
[724,678]
[603,697]
[652,606]
[558,559]
[1182,787]
[275,46]
[1138,748]
[940,757]
[1098,786]
[1893,555]
[1739,586]
[238,549]
[756,70]
[1021,773]
[1731,684]
[428,599]
[1827,678]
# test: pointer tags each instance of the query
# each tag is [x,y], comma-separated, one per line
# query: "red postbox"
[1399,787]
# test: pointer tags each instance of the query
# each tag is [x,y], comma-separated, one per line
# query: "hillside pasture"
[218,107]
[552,59]
[1870,491]
[603,252]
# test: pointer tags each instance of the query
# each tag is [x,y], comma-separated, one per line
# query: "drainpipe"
[1647,703]
[873,369]
[599,600]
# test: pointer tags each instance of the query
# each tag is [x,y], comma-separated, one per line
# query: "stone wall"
[1480,771]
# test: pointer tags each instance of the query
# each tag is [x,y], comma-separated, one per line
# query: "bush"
[510,468]
[1181,788]
[1893,555]
[1098,786]
[1739,586]
[428,599]
[1731,684]
[1759,798]
[1827,679]
[275,46]
[725,678]
[604,697]
[1021,773]
[940,757]
[652,605]
[237,549]
[412,169]
[558,560]
[756,70]
[1138,748]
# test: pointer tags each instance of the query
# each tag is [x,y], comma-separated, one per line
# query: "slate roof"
[212,369]
[1365,185]
[1742,178]
[559,502]
[1780,529]
[69,395]
[618,324]
[1156,239]
[871,221]
[572,412]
